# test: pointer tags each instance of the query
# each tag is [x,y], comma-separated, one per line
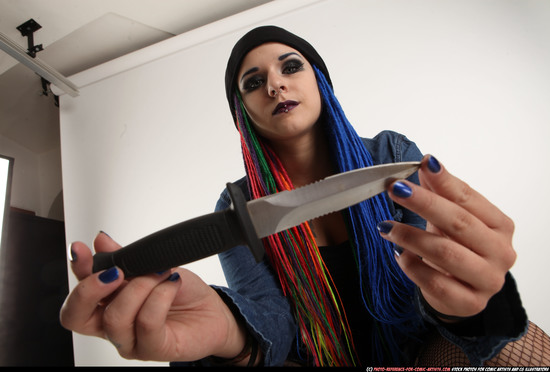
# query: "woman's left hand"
[460,261]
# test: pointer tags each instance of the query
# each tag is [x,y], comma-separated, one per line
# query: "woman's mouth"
[285,107]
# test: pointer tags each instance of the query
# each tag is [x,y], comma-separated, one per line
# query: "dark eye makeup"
[252,83]
[290,66]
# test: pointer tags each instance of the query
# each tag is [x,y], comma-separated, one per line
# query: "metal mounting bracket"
[27,29]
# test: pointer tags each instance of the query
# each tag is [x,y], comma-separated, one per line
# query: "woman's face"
[279,91]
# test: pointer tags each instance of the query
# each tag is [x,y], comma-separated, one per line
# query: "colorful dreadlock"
[296,259]
[305,280]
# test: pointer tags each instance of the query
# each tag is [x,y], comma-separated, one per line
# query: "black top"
[339,259]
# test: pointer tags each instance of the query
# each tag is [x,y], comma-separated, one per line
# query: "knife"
[245,223]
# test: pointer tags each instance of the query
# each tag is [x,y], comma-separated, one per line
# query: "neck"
[306,159]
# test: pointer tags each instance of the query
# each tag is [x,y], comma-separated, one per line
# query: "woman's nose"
[275,86]
[274,92]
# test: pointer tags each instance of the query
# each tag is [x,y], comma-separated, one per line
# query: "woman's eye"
[293,66]
[253,83]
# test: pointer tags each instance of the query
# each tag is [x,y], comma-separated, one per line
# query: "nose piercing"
[274,92]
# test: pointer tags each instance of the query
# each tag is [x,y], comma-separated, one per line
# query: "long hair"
[386,292]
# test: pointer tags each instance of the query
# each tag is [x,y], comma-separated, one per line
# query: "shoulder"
[224,200]
[391,147]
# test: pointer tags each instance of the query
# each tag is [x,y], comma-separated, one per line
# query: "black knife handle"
[187,241]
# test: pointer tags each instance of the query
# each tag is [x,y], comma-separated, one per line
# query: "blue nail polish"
[72,256]
[159,273]
[174,277]
[397,250]
[433,165]
[385,227]
[401,190]
[109,276]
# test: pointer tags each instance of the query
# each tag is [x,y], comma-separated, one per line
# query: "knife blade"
[245,223]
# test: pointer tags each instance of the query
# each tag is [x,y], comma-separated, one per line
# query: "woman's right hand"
[170,316]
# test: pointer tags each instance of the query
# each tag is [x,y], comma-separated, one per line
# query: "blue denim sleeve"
[255,293]
[392,147]
[483,336]
[255,297]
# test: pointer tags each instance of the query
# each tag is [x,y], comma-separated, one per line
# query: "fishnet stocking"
[533,349]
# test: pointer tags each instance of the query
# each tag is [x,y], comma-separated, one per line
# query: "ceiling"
[77,35]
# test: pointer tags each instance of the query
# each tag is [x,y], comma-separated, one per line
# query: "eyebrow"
[252,70]
[286,55]
[281,57]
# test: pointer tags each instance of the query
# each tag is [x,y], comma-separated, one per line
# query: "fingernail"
[109,276]
[397,250]
[160,272]
[103,232]
[72,255]
[433,165]
[401,190]
[385,227]
[174,277]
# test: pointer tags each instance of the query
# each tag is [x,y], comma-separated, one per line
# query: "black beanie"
[261,35]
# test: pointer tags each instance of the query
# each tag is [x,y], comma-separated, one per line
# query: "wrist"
[439,316]
[240,347]
[247,356]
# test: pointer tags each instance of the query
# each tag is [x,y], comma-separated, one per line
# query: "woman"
[364,286]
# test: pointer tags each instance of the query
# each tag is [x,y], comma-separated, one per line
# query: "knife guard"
[187,241]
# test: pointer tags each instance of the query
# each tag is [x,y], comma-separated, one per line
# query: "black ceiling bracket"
[46,88]
[27,29]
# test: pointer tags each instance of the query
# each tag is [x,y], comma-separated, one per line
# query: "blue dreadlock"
[386,291]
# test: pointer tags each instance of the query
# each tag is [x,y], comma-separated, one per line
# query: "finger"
[450,218]
[81,260]
[435,177]
[120,314]
[80,311]
[445,255]
[104,243]
[445,294]
[81,256]
[151,321]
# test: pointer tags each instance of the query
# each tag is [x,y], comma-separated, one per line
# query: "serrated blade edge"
[286,209]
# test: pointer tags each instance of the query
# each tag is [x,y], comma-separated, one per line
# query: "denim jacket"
[255,296]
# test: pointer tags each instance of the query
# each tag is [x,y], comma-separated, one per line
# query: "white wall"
[150,142]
